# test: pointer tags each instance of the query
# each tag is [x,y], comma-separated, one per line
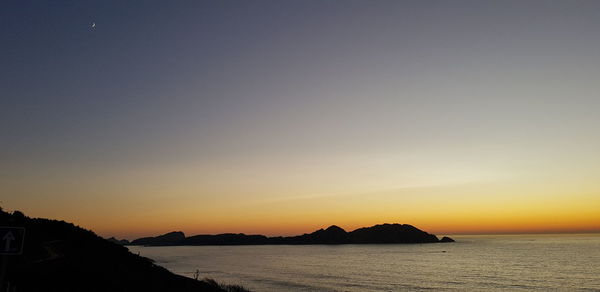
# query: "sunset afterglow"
[282,118]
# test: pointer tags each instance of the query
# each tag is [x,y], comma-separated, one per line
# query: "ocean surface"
[473,263]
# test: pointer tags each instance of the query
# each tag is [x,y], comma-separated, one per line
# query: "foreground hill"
[59,256]
[383,233]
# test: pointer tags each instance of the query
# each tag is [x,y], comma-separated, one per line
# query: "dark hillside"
[59,256]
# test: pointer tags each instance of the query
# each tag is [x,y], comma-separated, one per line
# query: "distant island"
[59,256]
[378,234]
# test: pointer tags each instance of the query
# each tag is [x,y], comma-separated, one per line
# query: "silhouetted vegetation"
[383,233]
[59,256]
[225,287]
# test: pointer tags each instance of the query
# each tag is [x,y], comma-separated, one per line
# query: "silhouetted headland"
[121,242]
[383,233]
[59,256]
[170,238]
[446,239]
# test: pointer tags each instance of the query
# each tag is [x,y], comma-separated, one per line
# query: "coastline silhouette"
[59,256]
[378,234]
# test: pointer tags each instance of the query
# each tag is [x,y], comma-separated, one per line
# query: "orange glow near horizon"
[531,214]
[561,223]
[280,119]
[459,208]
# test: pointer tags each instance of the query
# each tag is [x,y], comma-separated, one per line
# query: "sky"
[135,118]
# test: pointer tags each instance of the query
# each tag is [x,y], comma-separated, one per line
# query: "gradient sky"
[281,117]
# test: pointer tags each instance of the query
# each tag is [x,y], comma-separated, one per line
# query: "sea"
[472,263]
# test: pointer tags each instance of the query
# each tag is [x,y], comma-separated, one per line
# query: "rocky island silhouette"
[378,234]
[60,256]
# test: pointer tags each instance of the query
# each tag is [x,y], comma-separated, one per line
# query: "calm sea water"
[473,263]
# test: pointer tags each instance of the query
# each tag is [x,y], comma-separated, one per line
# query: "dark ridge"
[383,233]
[331,235]
[117,241]
[391,233]
[225,239]
[446,239]
[59,256]
[171,238]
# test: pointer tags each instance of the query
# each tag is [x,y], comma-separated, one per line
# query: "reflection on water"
[503,262]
